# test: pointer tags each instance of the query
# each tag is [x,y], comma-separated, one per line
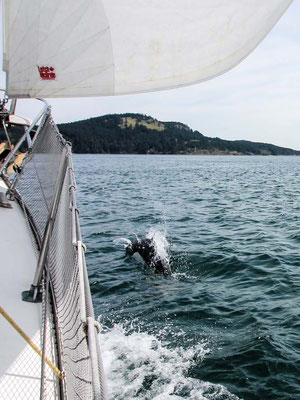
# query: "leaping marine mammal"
[147,250]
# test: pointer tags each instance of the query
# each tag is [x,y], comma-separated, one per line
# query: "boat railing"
[29,135]
[45,187]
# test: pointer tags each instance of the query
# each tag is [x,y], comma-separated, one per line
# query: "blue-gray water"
[226,323]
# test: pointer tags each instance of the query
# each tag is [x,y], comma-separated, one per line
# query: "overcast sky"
[259,100]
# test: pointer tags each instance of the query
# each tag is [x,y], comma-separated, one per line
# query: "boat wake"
[146,366]
[140,366]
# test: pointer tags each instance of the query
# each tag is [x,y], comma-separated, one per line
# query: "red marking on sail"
[47,73]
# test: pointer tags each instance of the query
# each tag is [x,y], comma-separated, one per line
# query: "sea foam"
[139,366]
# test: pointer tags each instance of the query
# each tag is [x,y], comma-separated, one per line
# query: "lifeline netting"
[36,187]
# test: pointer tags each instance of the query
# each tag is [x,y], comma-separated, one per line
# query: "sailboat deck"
[20,366]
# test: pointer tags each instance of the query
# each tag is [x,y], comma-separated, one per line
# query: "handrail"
[81,282]
[87,323]
[76,234]
[95,347]
[98,382]
[33,294]
[50,222]
[43,113]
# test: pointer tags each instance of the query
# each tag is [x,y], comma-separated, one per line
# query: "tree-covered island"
[141,134]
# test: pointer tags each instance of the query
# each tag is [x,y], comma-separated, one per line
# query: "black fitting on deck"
[33,295]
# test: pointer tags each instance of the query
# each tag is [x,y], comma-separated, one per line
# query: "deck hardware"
[4,202]
[33,295]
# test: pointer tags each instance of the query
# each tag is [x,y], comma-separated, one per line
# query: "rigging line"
[29,341]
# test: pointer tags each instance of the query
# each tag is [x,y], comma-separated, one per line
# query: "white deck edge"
[19,365]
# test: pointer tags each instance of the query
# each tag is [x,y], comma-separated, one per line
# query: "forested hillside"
[141,134]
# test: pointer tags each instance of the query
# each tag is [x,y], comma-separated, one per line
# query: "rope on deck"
[29,341]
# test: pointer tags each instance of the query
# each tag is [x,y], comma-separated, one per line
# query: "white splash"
[161,244]
[124,241]
[159,240]
[139,366]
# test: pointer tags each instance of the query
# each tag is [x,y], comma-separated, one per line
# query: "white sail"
[76,48]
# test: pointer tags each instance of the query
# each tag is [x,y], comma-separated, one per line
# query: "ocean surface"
[225,324]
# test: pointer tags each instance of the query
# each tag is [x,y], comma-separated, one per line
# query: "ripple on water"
[226,322]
